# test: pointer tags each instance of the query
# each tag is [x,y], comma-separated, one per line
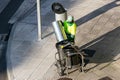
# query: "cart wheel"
[61,73]
[59,70]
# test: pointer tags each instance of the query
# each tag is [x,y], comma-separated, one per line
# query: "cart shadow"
[104,49]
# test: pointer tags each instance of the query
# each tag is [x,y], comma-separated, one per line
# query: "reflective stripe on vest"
[71,29]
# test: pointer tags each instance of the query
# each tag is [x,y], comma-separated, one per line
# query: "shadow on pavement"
[97,12]
[106,47]
[3,63]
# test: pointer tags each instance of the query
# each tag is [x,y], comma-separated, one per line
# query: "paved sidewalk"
[98,29]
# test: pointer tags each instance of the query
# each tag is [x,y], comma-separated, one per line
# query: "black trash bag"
[58,8]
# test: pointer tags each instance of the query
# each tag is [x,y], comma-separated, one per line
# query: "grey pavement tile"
[87,76]
[29,31]
[100,73]
[25,7]
[31,18]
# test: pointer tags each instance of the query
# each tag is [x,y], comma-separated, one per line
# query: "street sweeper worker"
[70,28]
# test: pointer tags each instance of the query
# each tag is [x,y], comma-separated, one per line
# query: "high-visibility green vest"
[70,30]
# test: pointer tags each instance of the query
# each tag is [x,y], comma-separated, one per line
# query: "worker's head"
[70,18]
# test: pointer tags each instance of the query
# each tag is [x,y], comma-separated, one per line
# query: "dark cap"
[58,8]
